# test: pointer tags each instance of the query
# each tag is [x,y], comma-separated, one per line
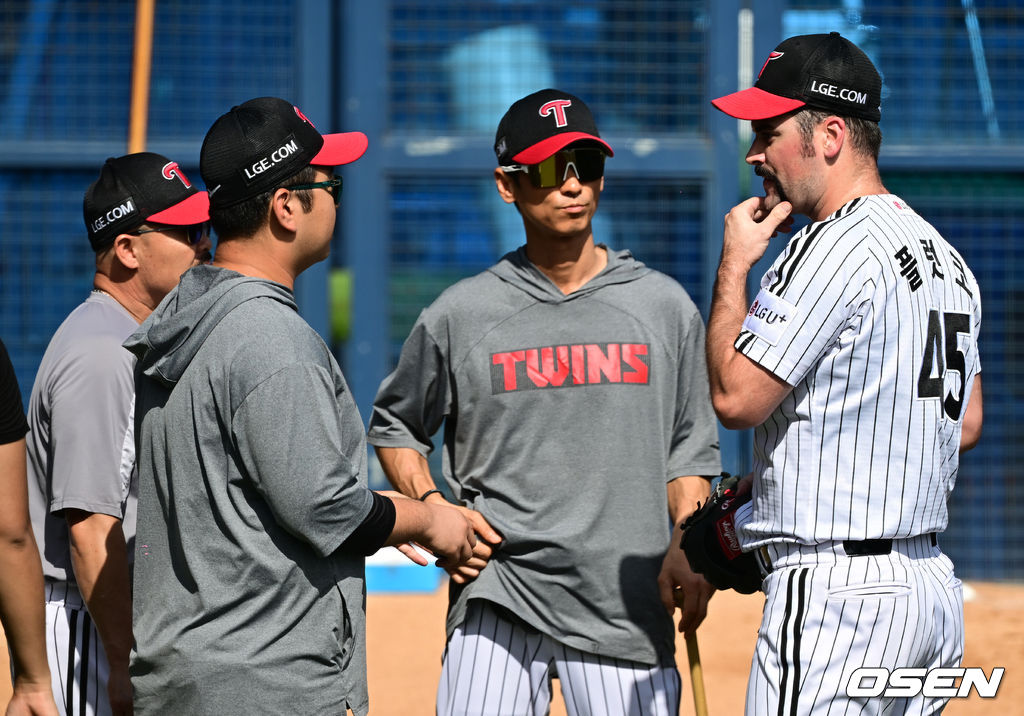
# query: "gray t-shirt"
[565,417]
[252,472]
[80,445]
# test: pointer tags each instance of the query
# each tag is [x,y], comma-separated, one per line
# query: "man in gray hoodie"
[254,514]
[572,385]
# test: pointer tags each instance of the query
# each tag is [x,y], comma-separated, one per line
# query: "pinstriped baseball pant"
[827,614]
[78,663]
[498,667]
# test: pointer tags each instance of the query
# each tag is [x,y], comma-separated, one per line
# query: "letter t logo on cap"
[774,55]
[171,170]
[303,117]
[557,108]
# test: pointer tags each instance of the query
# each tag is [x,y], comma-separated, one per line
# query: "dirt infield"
[406,634]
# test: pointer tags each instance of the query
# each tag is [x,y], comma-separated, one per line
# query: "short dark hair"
[865,135]
[245,218]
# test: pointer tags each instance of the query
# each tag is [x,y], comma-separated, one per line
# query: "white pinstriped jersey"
[873,318]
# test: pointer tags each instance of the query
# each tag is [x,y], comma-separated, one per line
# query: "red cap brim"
[545,148]
[341,148]
[753,103]
[194,210]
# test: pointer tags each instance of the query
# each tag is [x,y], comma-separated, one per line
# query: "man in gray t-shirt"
[571,383]
[146,223]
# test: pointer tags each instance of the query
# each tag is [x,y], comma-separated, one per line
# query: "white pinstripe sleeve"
[814,293]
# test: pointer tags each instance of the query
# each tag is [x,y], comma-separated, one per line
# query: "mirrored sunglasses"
[586,164]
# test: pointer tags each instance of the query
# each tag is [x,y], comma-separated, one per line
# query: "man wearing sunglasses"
[255,510]
[571,383]
[146,223]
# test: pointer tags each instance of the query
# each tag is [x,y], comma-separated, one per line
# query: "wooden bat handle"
[700,703]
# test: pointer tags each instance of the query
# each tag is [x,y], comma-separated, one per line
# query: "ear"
[126,248]
[834,129]
[284,207]
[506,186]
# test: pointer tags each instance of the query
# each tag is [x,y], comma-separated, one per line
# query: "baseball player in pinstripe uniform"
[146,223]
[857,364]
[570,379]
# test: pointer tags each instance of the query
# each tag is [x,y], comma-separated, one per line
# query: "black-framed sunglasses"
[332,185]
[194,233]
[587,164]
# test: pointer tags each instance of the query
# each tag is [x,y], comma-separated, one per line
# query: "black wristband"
[375,528]
[428,493]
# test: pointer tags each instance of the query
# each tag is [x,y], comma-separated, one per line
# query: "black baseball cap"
[260,143]
[137,189]
[821,71]
[540,124]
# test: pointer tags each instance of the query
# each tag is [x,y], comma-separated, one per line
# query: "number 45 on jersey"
[942,355]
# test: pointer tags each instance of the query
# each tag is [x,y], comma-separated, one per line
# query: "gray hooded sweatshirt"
[565,417]
[252,471]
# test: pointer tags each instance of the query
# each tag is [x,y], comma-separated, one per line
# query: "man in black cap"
[255,516]
[571,383]
[857,365]
[147,224]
